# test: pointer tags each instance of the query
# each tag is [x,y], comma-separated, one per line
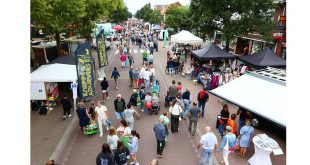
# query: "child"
[180,87]
[112,139]
[133,145]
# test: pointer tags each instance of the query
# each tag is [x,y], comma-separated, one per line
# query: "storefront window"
[257,46]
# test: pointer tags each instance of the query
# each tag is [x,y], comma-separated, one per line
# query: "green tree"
[146,13]
[232,17]
[118,15]
[178,17]
[54,16]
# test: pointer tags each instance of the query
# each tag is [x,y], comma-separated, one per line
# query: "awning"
[54,73]
[259,95]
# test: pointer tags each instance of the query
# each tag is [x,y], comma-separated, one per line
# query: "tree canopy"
[56,16]
[148,14]
[118,15]
[233,17]
[178,17]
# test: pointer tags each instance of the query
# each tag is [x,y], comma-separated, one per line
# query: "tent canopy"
[117,27]
[186,37]
[211,52]
[261,96]
[263,59]
[54,73]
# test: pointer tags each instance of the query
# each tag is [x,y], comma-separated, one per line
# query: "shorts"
[104,91]
[119,115]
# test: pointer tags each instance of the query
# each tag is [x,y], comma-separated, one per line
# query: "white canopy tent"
[53,73]
[186,37]
[263,96]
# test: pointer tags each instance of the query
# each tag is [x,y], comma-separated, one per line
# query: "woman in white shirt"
[112,139]
[101,116]
[175,110]
[124,132]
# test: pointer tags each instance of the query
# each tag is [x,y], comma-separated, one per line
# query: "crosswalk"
[135,51]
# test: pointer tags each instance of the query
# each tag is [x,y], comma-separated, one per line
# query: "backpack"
[202,95]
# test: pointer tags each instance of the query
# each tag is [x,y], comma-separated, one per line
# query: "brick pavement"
[180,149]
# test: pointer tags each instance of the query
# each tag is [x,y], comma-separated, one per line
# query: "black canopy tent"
[212,52]
[68,59]
[263,59]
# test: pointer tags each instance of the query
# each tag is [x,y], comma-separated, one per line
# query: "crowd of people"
[122,141]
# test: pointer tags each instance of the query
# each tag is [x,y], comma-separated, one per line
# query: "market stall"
[263,59]
[213,67]
[185,37]
[44,80]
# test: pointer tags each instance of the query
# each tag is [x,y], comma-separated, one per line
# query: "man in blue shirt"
[131,76]
[115,75]
[160,134]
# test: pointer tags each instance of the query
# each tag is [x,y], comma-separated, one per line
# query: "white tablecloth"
[262,151]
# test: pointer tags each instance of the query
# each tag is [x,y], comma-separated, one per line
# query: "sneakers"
[108,97]
[100,135]
[160,156]
[64,117]
[69,116]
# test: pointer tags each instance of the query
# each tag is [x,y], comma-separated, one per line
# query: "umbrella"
[117,27]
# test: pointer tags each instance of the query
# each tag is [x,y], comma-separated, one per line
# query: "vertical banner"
[85,70]
[101,49]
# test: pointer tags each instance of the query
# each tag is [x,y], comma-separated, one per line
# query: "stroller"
[155,104]
[92,128]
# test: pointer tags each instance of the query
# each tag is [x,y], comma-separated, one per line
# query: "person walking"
[152,76]
[173,90]
[227,145]
[124,132]
[144,55]
[104,87]
[128,115]
[102,116]
[245,136]
[208,144]
[166,122]
[83,115]
[121,154]
[66,105]
[187,99]
[135,77]
[131,76]
[146,78]
[123,60]
[175,110]
[115,75]
[150,59]
[119,105]
[112,139]
[105,157]
[160,134]
[170,65]
[133,145]
[224,119]
[142,95]
[202,98]
[130,59]
[194,114]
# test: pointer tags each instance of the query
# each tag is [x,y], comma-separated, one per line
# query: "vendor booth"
[263,59]
[185,37]
[44,80]
[213,67]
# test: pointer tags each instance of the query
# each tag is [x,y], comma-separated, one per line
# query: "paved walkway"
[181,147]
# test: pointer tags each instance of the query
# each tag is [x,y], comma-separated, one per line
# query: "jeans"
[119,115]
[222,129]
[206,153]
[176,70]
[186,108]
[147,85]
[190,126]
[131,82]
[160,147]
[171,71]
[202,105]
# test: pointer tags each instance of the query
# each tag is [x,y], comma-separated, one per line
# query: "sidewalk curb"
[64,139]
